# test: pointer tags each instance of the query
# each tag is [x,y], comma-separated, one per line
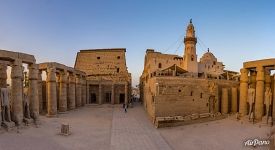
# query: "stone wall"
[157,61]
[107,74]
[103,61]
[178,96]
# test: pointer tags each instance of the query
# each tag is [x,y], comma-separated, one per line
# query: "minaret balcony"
[186,39]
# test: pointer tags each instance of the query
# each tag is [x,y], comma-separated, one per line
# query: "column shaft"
[126,93]
[34,91]
[72,91]
[273,102]
[113,94]
[51,92]
[40,91]
[224,102]
[243,92]
[234,100]
[259,101]
[100,94]
[78,91]
[17,92]
[63,92]
[84,91]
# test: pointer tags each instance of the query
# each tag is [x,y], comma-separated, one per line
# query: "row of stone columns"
[100,94]
[225,100]
[16,98]
[68,100]
[258,80]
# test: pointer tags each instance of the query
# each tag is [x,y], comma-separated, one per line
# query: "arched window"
[159,65]
[192,58]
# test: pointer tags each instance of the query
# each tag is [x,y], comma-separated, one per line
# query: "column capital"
[260,74]
[63,77]
[33,71]
[78,79]
[72,78]
[3,71]
[51,77]
[16,70]
[244,75]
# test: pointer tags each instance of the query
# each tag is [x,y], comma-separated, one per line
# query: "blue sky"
[55,30]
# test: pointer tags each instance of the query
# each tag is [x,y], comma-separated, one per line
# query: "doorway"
[121,98]
[92,98]
[108,97]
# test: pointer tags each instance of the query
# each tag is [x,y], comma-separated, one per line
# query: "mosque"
[173,85]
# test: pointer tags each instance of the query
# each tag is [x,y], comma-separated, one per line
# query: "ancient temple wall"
[177,96]
[93,89]
[101,61]
[119,89]
[181,97]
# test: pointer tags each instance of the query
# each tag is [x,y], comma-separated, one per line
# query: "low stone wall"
[161,122]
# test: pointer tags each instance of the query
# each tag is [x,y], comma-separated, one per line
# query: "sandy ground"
[106,127]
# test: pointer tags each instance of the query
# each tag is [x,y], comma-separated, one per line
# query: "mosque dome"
[208,56]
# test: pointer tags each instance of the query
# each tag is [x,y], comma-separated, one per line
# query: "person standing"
[125,108]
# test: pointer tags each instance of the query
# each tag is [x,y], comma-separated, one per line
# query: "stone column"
[224,102]
[113,94]
[252,79]
[87,93]
[17,92]
[267,79]
[63,92]
[234,96]
[126,93]
[40,95]
[273,102]
[243,92]
[34,91]
[3,75]
[51,92]
[84,91]
[71,91]
[78,91]
[100,94]
[259,101]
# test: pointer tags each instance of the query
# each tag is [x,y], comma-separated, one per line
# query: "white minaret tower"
[190,62]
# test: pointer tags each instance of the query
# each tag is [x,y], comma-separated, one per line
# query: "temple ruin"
[23,101]
[257,90]
[64,89]
[12,97]
[108,79]
[175,90]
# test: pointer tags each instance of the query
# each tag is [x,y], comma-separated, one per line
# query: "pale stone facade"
[181,89]
[108,78]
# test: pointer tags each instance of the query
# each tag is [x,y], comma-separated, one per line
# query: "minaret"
[190,62]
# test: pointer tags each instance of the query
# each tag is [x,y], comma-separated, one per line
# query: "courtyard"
[107,127]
